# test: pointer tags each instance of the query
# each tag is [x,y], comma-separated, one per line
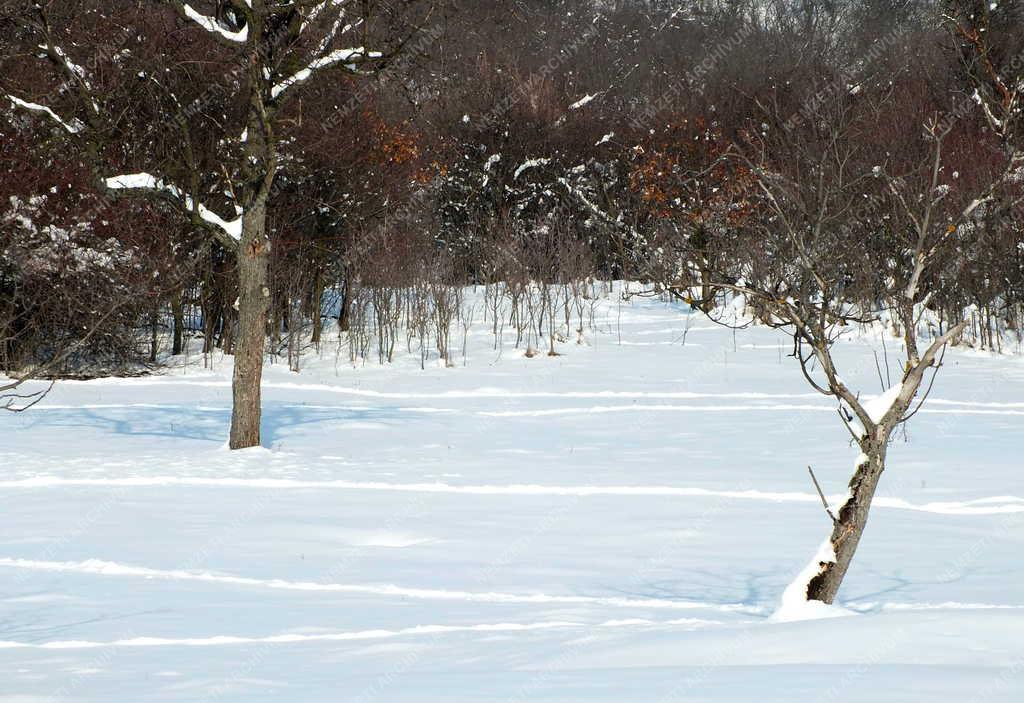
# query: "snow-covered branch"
[212,25]
[67,62]
[74,72]
[350,57]
[528,164]
[318,8]
[73,126]
[145,181]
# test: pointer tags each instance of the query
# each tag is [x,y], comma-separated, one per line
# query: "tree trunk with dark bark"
[344,321]
[154,335]
[228,331]
[316,309]
[178,313]
[211,316]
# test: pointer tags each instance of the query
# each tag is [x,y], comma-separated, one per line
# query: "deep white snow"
[618,523]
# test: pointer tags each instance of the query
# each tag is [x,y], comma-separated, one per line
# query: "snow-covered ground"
[617,523]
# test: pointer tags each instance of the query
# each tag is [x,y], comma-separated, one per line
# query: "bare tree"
[215,145]
[814,260]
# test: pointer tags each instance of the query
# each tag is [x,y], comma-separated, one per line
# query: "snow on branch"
[71,65]
[145,181]
[317,9]
[72,69]
[350,57]
[528,164]
[582,101]
[73,126]
[210,24]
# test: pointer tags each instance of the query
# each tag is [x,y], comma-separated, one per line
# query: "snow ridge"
[993,505]
[290,638]
[108,568]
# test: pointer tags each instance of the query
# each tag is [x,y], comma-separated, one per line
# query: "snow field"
[616,523]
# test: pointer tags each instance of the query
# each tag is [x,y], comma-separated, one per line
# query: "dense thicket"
[525,142]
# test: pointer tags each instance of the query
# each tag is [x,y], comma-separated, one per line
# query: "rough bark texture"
[253,306]
[850,522]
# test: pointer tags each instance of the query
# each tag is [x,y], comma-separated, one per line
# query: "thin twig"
[878,367]
[821,495]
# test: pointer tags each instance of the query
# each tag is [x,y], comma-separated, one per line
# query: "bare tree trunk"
[344,315]
[277,316]
[154,334]
[253,306]
[850,522]
[178,313]
[315,298]
[228,331]
[211,315]
[707,292]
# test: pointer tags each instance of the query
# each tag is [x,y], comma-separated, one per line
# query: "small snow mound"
[808,610]
[245,451]
[878,406]
[795,605]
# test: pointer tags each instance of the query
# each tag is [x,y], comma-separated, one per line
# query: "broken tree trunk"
[850,521]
